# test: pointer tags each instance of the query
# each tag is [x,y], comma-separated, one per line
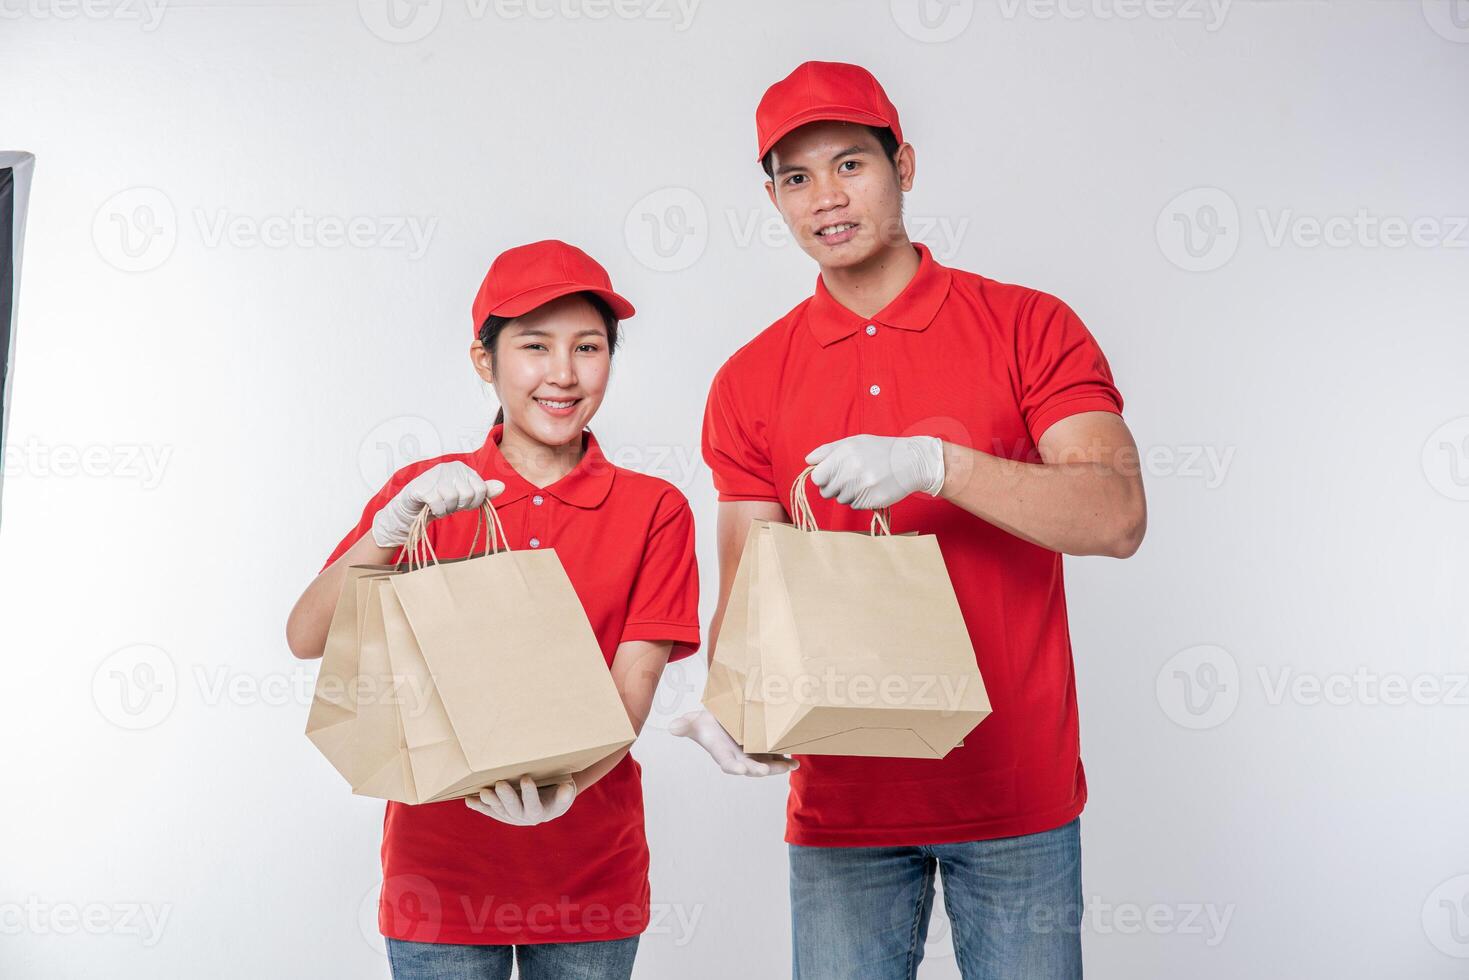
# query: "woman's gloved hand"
[443,489]
[704,728]
[526,808]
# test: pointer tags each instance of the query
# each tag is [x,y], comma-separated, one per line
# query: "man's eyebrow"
[852,150]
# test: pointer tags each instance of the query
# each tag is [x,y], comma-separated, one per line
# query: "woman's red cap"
[523,278]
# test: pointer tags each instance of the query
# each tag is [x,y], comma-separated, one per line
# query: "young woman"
[555,878]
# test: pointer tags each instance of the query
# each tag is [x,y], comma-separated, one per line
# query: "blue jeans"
[1014,906]
[609,959]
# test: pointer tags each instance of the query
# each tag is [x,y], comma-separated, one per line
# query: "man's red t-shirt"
[452,875]
[974,362]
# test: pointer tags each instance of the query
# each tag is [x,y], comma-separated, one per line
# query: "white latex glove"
[526,808]
[704,728]
[443,489]
[872,472]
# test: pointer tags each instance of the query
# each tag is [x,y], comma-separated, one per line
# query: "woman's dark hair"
[489,331]
[885,139]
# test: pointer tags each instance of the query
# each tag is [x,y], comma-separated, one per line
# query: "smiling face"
[550,369]
[840,195]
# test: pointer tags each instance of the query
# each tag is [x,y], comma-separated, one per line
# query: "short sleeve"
[733,444]
[1062,370]
[664,603]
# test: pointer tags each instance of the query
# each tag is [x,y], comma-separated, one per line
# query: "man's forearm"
[1081,507]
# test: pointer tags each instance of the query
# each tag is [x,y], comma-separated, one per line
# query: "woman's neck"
[541,465]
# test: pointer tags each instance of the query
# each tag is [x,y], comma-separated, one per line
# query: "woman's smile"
[558,408]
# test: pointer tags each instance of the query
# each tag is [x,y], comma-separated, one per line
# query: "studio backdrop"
[252,244]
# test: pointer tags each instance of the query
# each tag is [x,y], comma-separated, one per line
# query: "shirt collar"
[912,309]
[587,485]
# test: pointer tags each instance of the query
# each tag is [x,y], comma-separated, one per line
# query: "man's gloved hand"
[526,808]
[872,472]
[705,729]
[443,489]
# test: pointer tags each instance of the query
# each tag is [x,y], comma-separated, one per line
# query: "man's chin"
[848,255]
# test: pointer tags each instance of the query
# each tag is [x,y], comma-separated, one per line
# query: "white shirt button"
[535,542]
[537,500]
[871,330]
[874,390]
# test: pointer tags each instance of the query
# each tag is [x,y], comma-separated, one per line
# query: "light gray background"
[210,384]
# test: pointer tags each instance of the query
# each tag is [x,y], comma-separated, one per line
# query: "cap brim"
[523,303]
[833,113]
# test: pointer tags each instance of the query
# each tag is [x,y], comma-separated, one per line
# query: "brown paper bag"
[491,668]
[844,643]
[353,720]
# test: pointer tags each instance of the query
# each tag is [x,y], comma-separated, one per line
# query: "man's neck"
[867,288]
[541,465]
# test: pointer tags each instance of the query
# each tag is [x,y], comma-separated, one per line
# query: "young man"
[983,413]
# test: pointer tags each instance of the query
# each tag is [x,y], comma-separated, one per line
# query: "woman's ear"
[484,364]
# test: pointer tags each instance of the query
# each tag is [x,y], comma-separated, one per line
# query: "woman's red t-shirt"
[452,875]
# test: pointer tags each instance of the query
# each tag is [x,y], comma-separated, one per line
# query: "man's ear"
[770,191]
[907,164]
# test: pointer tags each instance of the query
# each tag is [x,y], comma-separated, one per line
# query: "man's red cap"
[523,278]
[822,90]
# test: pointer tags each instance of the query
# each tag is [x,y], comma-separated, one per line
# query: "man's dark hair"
[489,331]
[885,139]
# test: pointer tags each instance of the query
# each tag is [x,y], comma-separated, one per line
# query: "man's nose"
[829,194]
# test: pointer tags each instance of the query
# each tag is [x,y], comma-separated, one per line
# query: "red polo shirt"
[452,875]
[974,362]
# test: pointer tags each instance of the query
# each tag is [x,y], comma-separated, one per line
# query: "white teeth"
[550,404]
[835,229]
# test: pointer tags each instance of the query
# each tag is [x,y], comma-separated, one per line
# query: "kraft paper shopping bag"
[844,643]
[353,719]
[462,672]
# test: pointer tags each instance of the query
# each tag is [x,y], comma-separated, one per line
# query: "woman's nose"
[562,371]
